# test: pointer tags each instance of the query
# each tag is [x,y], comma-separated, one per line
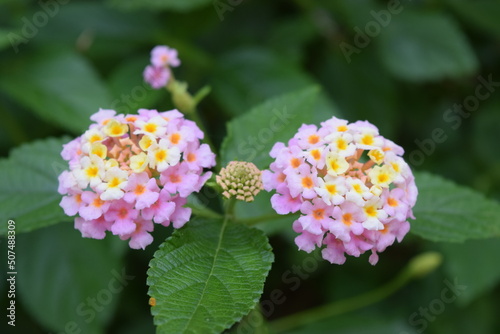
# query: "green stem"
[186,103]
[418,267]
[229,208]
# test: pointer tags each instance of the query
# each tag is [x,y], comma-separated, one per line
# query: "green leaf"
[207,276]
[4,39]
[485,134]
[252,135]
[367,75]
[263,216]
[246,77]
[449,212]
[61,87]
[426,46]
[128,86]
[199,208]
[353,13]
[462,261]
[370,323]
[481,13]
[69,283]
[174,5]
[100,31]
[253,323]
[28,189]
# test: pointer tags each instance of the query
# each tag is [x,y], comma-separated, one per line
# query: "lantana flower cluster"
[127,172]
[158,73]
[352,187]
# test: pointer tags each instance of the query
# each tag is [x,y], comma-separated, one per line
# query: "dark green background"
[83,55]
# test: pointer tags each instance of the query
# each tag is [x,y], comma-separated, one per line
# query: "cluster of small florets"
[354,190]
[240,179]
[128,171]
[162,59]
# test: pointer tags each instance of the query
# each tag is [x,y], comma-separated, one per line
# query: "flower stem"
[229,208]
[418,267]
[187,104]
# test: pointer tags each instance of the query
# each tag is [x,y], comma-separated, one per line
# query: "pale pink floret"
[72,151]
[394,204]
[164,56]
[334,251]
[307,137]
[181,214]
[176,114]
[94,207]
[67,183]
[348,217]
[122,214]
[161,210]
[180,135]
[156,76]
[283,203]
[197,158]
[271,180]
[141,237]
[179,179]
[303,182]
[71,204]
[146,114]
[141,190]
[95,229]
[354,190]
[317,216]
[103,115]
[306,241]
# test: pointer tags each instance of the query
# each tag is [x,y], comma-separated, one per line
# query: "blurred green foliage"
[413,63]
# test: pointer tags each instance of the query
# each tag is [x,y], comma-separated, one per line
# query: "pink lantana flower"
[352,187]
[157,77]
[158,73]
[128,172]
[161,210]
[123,215]
[162,55]
[141,236]
[141,190]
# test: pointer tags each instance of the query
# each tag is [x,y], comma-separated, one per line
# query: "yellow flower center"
[161,155]
[347,219]
[331,188]
[92,171]
[150,127]
[371,211]
[114,182]
[367,140]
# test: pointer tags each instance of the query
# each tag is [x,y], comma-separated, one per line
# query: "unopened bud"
[240,179]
